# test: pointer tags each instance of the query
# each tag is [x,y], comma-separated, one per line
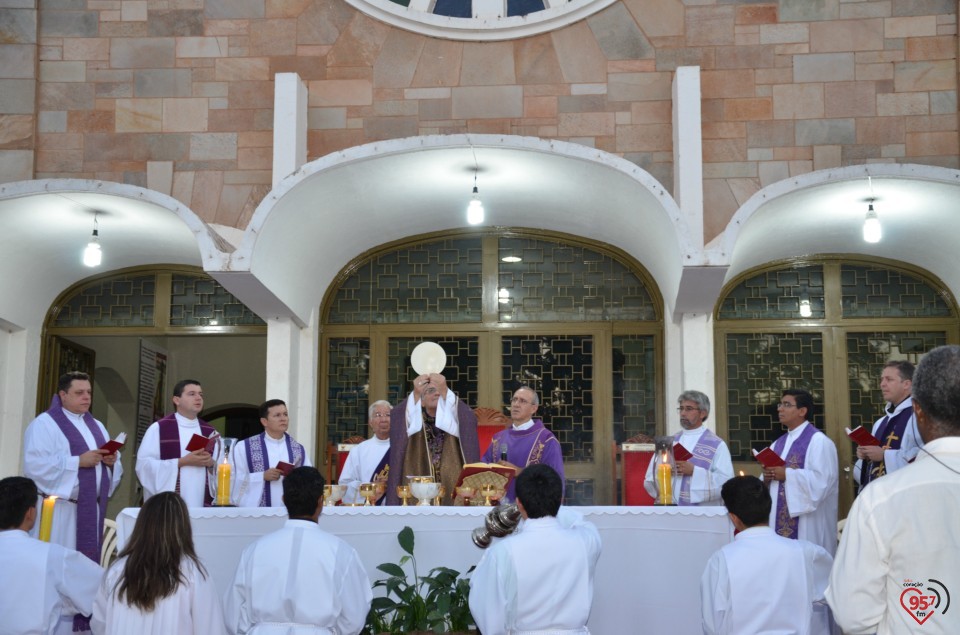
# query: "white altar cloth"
[647,580]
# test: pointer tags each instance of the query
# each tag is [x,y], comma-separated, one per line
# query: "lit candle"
[665,481]
[223,484]
[741,472]
[46,518]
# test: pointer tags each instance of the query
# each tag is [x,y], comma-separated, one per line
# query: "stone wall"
[788,87]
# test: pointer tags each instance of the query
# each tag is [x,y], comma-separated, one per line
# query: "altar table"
[647,580]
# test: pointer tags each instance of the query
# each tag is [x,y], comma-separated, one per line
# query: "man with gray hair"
[367,463]
[899,558]
[698,479]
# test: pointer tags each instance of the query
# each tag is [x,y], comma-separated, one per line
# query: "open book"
[113,445]
[768,458]
[285,467]
[860,436]
[478,474]
[200,442]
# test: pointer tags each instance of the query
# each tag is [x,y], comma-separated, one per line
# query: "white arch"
[337,207]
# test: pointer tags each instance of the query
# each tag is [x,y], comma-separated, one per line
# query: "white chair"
[108,552]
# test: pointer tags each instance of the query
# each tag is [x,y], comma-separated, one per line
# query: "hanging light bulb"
[872,231]
[805,308]
[92,255]
[475,209]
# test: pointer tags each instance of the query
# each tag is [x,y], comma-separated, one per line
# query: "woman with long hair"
[158,586]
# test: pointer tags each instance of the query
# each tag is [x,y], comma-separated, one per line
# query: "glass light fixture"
[503,295]
[511,259]
[805,309]
[475,213]
[872,231]
[93,255]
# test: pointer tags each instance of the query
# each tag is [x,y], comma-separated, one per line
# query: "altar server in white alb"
[163,463]
[367,463]
[257,479]
[43,584]
[805,491]
[539,579]
[299,579]
[761,582]
[699,479]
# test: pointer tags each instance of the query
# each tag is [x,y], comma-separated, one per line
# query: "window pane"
[776,295]
[883,292]
[348,379]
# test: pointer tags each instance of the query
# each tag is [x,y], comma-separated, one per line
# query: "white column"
[689,363]
[289,125]
[291,371]
[19,369]
[688,150]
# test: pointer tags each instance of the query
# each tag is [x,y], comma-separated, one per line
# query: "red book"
[860,436]
[200,442]
[681,453]
[489,472]
[768,458]
[285,467]
[113,445]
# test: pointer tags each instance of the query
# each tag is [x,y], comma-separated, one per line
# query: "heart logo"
[917,605]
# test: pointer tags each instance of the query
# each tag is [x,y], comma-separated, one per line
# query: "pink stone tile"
[488,64]
[536,61]
[923,76]
[285,8]
[911,26]
[892,104]
[16,132]
[272,37]
[724,150]
[798,101]
[397,61]
[849,99]
[230,69]
[580,57]
[205,197]
[724,130]
[439,64]
[86,48]
[340,92]
[748,109]
[931,48]
[139,115]
[539,107]
[932,123]
[727,83]
[644,138]
[710,26]
[880,131]
[757,14]
[590,124]
[90,121]
[846,35]
[631,66]
[360,44]
[185,115]
[254,158]
[651,112]
[921,144]
[658,17]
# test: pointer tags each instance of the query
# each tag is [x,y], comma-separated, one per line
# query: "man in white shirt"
[299,578]
[539,579]
[896,430]
[761,582]
[257,478]
[899,557]
[163,463]
[44,584]
[698,480]
[62,456]
[805,490]
[367,463]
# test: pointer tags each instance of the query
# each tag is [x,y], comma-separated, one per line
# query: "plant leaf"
[405,538]
[392,569]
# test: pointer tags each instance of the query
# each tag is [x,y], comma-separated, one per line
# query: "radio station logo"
[923,600]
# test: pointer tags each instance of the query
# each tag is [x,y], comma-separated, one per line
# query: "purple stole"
[524,447]
[170,448]
[381,473]
[91,504]
[796,458]
[703,454]
[890,432]
[257,459]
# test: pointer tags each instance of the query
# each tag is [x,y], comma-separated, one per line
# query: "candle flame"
[741,472]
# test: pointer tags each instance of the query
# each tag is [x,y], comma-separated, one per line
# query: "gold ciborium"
[332,494]
[466,492]
[368,491]
[425,491]
[403,492]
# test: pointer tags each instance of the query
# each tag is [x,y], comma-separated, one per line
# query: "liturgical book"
[479,474]
[681,453]
[113,445]
[200,442]
[860,436]
[285,467]
[768,458]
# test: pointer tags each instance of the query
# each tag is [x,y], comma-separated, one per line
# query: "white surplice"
[359,466]
[43,584]
[446,417]
[160,475]
[706,483]
[298,579]
[763,583]
[247,485]
[902,530]
[811,492]
[47,460]
[910,444]
[194,608]
[538,578]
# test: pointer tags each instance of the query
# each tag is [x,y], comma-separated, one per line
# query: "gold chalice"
[487,490]
[403,491]
[440,494]
[368,491]
[466,492]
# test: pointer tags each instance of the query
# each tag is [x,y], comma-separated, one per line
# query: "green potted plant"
[434,603]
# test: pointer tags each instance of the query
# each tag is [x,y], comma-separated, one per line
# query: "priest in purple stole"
[698,481]
[805,491]
[897,429]
[526,441]
[163,463]
[432,433]
[257,481]
[367,463]
[62,456]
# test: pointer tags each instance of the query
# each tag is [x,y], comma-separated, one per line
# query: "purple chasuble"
[91,504]
[526,447]
[788,526]
[890,432]
[257,459]
[170,448]
[703,454]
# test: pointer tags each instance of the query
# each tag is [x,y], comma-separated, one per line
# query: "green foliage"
[436,602]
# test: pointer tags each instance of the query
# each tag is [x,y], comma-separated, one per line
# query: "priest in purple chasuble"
[699,480]
[526,441]
[257,482]
[432,433]
[62,456]
[805,491]
[367,463]
[897,430]
[163,463]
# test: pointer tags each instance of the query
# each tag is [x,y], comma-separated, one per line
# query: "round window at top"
[479,20]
